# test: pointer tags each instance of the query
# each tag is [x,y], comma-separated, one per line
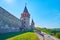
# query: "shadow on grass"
[9,35]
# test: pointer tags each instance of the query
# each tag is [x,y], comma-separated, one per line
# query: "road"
[44,36]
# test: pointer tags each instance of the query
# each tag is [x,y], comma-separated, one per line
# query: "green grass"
[25,36]
[8,35]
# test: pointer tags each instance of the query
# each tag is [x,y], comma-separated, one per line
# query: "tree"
[58,35]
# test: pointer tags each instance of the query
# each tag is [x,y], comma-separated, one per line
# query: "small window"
[24,22]
[24,18]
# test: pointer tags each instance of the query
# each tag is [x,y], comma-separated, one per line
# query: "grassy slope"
[25,36]
[8,35]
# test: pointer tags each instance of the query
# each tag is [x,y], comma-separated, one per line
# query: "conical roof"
[25,10]
[25,13]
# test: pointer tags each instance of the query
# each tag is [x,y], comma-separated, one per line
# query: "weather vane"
[26,2]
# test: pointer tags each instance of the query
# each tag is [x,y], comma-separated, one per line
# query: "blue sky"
[46,13]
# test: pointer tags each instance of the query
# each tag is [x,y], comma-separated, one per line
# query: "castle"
[10,23]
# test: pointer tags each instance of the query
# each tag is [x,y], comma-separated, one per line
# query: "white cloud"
[9,1]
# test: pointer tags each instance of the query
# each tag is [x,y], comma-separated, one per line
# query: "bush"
[58,35]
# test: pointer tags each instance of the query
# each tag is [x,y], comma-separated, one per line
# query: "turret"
[32,25]
[25,16]
[25,13]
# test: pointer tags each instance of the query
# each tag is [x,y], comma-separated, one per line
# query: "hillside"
[25,36]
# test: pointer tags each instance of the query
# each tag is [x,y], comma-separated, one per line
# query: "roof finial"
[26,1]
[25,4]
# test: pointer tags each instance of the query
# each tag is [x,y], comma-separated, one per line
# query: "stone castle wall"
[8,22]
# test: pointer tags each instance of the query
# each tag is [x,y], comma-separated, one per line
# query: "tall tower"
[25,16]
[32,25]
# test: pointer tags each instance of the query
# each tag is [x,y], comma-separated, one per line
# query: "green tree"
[58,35]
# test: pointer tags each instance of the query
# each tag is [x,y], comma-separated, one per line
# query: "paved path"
[39,36]
[45,37]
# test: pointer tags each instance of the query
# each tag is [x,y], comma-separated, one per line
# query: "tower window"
[24,22]
[24,19]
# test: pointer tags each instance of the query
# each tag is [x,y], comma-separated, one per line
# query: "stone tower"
[25,16]
[32,25]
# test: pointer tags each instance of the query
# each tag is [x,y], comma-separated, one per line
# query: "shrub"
[58,35]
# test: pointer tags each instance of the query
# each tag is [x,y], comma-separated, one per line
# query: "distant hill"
[55,31]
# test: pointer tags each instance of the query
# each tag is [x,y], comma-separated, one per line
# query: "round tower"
[25,16]
[32,25]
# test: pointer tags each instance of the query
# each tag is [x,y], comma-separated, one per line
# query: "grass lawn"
[8,35]
[25,36]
